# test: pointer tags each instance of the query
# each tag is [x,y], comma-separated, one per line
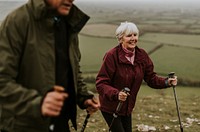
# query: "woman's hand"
[122,96]
[172,81]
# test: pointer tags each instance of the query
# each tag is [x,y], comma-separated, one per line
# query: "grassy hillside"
[156,108]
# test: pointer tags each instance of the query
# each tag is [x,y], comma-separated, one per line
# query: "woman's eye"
[130,35]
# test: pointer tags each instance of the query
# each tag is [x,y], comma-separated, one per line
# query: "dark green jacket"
[27,65]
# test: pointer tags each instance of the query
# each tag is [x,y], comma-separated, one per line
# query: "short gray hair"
[126,28]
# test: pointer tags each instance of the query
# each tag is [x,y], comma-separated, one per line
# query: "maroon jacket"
[117,72]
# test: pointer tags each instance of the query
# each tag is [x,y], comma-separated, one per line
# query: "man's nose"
[70,0]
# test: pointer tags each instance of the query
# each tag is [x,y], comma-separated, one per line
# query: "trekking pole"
[85,122]
[115,115]
[171,75]
[94,99]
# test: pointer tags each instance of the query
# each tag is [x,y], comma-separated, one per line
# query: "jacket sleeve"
[81,89]
[15,98]
[83,92]
[104,78]
[151,78]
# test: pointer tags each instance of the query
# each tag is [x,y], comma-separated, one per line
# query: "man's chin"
[63,12]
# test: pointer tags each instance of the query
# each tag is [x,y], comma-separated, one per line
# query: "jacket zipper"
[0,113]
[126,77]
[128,87]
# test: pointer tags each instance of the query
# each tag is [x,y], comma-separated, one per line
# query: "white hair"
[126,28]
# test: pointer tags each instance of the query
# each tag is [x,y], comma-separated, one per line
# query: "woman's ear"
[120,40]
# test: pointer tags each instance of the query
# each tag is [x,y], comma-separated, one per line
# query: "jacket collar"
[76,18]
[122,58]
[139,56]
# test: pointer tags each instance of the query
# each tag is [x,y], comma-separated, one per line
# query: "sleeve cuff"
[166,83]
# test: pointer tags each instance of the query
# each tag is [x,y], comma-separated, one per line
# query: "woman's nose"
[133,37]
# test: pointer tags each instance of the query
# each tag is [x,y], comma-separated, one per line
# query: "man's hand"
[92,105]
[53,102]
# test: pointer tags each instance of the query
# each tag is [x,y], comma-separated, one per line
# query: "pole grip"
[126,90]
[115,115]
[171,74]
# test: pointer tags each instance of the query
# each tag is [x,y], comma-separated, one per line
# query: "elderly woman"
[125,65]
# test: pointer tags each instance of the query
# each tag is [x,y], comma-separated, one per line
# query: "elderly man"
[40,77]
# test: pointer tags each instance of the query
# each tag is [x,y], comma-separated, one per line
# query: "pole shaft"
[85,122]
[177,108]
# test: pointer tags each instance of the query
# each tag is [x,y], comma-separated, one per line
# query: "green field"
[186,40]
[184,61]
[93,50]
[175,55]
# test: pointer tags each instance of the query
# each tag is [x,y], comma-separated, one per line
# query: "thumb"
[59,88]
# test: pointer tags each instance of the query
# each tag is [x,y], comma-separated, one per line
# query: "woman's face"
[61,6]
[129,41]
